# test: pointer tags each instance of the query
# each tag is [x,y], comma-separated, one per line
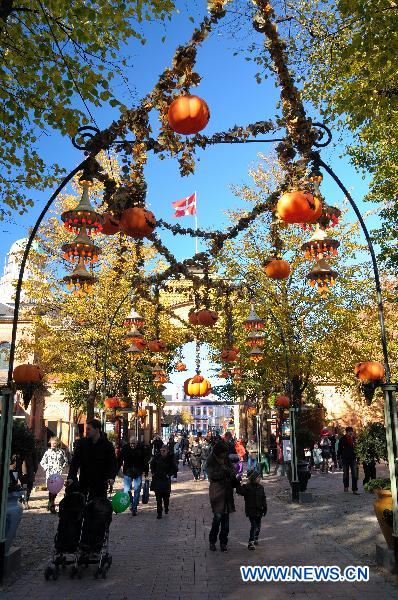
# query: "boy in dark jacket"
[255,505]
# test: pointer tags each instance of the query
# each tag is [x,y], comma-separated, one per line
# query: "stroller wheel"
[49,571]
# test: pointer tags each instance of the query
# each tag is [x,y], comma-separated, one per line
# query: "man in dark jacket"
[95,458]
[134,462]
[222,479]
[163,466]
[255,505]
[346,452]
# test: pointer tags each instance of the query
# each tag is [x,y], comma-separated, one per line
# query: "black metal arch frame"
[389,389]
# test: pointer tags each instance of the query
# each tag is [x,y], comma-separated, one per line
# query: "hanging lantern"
[134,318]
[255,355]
[255,339]
[229,354]
[134,351]
[322,275]
[180,366]
[83,215]
[80,280]
[253,321]
[157,370]
[82,246]
[236,371]
[160,380]
[320,245]
[223,374]
[237,378]
[134,336]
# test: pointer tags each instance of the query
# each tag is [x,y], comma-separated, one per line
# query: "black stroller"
[82,536]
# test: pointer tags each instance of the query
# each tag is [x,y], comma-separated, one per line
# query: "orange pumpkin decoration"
[229,355]
[113,402]
[369,371]
[282,401]
[193,318]
[156,346]
[137,222]
[188,114]
[197,386]
[180,366]
[141,344]
[111,225]
[142,413]
[299,207]
[27,374]
[277,269]
[206,317]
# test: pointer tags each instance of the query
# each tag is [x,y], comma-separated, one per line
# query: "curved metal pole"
[389,388]
[7,396]
[318,161]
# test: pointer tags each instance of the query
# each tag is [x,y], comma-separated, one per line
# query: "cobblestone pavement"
[169,558]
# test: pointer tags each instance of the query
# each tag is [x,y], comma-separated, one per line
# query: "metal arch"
[86,133]
[323,128]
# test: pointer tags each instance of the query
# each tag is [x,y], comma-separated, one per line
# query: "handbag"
[145,492]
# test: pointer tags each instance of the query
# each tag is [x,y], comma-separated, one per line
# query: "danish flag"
[185,207]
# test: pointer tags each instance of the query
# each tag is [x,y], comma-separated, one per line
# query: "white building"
[12,263]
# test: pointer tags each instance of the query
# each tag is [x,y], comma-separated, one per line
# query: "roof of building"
[6,310]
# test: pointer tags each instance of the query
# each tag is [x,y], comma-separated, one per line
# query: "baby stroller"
[66,541]
[82,536]
[94,541]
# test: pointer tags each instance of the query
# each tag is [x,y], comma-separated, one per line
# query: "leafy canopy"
[51,51]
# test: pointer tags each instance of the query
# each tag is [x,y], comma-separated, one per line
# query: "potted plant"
[382,506]
[370,447]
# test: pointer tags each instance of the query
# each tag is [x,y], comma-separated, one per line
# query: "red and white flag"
[185,207]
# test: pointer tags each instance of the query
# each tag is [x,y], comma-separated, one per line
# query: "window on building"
[4,355]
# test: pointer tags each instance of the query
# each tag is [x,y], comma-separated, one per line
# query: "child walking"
[255,505]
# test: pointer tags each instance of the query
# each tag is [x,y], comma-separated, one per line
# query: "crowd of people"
[94,465]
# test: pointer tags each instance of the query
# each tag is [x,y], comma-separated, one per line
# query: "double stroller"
[82,537]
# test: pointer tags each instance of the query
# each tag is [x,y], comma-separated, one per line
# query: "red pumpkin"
[369,371]
[206,317]
[282,401]
[277,269]
[111,225]
[180,366]
[299,207]
[229,355]
[137,222]
[193,318]
[157,346]
[27,374]
[188,114]
[112,402]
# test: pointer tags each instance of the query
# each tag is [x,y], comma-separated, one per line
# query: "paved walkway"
[169,558]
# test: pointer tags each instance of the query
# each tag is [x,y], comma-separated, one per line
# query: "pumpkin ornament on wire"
[276,268]
[298,207]
[188,114]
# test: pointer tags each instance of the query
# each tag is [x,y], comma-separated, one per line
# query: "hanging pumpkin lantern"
[282,402]
[157,346]
[369,371]
[180,366]
[299,207]
[134,351]
[110,225]
[223,374]
[193,318]
[276,268]
[137,222]
[198,386]
[323,276]
[188,114]
[112,402]
[229,354]
[206,317]
[27,373]
[253,321]
[320,245]
[134,336]
[255,339]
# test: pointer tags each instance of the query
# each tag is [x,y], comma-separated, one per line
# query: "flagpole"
[196,224]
